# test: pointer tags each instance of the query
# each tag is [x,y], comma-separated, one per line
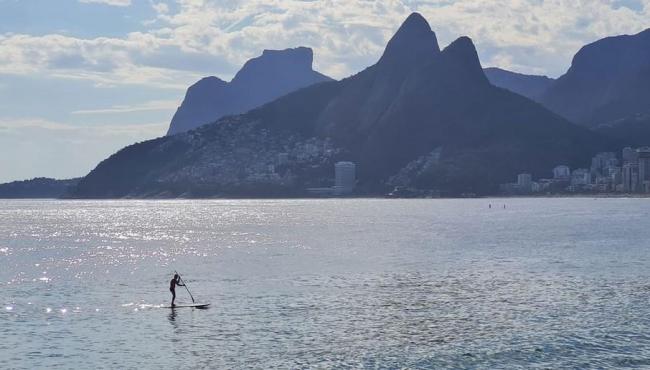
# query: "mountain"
[530,86]
[420,116]
[608,81]
[631,131]
[39,187]
[262,79]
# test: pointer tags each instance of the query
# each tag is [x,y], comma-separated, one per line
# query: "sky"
[80,79]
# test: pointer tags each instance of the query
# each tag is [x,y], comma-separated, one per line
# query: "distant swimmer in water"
[172,286]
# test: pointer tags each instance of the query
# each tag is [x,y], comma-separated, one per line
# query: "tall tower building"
[345,177]
[631,177]
[601,161]
[630,155]
[525,182]
[644,169]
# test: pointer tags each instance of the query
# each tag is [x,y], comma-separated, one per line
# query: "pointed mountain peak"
[463,45]
[414,40]
[463,48]
[463,53]
[414,23]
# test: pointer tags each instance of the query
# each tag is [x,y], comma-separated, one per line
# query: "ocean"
[348,283]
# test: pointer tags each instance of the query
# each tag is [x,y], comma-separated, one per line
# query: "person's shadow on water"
[172,318]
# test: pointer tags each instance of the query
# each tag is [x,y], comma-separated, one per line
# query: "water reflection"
[172,318]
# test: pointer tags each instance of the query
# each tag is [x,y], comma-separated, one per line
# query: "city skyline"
[606,174]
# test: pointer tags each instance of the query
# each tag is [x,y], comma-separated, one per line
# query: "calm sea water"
[543,283]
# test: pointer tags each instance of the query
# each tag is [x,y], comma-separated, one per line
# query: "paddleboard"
[193,305]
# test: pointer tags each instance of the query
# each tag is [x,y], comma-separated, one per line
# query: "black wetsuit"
[172,288]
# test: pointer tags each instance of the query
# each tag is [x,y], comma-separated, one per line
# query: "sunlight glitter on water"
[547,283]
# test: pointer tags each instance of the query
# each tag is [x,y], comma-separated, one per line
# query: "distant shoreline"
[548,196]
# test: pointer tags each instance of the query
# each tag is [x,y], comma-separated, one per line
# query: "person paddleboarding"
[172,287]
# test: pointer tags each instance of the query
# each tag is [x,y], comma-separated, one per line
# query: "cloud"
[160,8]
[532,35]
[108,2]
[82,131]
[107,61]
[17,124]
[192,38]
[40,147]
[142,107]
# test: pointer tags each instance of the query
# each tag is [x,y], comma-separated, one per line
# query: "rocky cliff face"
[417,99]
[608,80]
[262,79]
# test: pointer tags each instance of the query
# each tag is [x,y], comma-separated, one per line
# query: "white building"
[562,172]
[525,182]
[616,175]
[581,176]
[345,177]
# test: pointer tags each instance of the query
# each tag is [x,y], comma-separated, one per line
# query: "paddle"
[185,285]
